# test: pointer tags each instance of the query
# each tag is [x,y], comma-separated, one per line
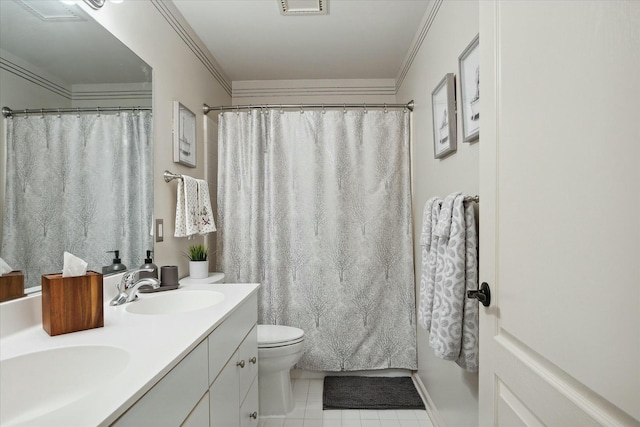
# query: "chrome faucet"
[129,286]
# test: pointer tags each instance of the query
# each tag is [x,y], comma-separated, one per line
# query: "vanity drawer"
[226,338]
[171,400]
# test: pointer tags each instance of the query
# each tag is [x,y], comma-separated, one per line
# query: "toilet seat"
[273,336]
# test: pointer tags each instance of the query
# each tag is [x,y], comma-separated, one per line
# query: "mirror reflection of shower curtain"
[316,207]
[77,184]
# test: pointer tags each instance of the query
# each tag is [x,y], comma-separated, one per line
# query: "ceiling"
[357,39]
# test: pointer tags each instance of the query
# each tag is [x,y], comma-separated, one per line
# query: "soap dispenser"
[148,263]
[117,265]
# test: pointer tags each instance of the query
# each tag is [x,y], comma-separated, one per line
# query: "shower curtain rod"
[9,113]
[206,109]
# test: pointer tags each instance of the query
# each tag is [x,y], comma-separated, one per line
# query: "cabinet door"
[226,338]
[171,400]
[249,408]
[225,396]
[199,417]
[248,353]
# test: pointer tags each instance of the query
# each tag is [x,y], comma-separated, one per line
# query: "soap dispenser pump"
[117,265]
[148,263]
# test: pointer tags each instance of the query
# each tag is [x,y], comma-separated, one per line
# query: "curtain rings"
[42,113]
[59,115]
[118,113]
[26,114]
[78,112]
[301,110]
[364,107]
[97,111]
[281,109]
[323,110]
[344,108]
[385,108]
[237,110]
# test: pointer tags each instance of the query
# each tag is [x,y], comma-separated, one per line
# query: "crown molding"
[188,36]
[419,38]
[32,77]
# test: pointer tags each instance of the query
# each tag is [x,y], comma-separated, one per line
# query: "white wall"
[451,27]
[178,75]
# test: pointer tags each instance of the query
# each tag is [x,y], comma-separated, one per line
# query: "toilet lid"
[278,335]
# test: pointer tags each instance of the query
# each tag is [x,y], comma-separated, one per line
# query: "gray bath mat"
[370,393]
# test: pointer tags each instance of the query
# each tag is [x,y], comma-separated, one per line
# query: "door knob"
[240,363]
[253,415]
[253,360]
[483,294]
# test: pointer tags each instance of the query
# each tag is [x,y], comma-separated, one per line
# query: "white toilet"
[279,348]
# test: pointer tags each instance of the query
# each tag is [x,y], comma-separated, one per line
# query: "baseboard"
[428,402]
[301,374]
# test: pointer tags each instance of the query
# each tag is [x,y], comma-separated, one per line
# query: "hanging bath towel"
[187,207]
[454,318]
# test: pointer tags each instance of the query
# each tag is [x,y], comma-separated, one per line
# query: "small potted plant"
[198,262]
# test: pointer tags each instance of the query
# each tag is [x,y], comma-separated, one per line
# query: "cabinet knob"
[240,363]
[253,360]
[253,415]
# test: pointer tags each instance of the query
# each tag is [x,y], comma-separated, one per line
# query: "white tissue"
[4,267]
[73,266]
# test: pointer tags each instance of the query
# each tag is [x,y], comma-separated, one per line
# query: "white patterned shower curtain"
[77,184]
[316,206]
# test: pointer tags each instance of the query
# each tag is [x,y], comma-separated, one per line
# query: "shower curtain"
[315,206]
[77,184]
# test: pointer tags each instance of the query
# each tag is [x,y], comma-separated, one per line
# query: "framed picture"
[443,100]
[469,65]
[184,135]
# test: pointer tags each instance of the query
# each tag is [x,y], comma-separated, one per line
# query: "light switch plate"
[159,231]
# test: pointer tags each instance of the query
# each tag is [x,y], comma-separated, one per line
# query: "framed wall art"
[184,135]
[443,100]
[469,66]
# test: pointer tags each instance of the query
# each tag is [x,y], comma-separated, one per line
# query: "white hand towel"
[206,223]
[187,207]
[4,267]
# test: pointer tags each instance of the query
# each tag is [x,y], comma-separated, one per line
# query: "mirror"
[86,182]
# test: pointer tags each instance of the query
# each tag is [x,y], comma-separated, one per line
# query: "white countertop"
[155,343]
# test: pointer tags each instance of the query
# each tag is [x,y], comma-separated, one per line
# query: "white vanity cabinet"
[215,385]
[233,371]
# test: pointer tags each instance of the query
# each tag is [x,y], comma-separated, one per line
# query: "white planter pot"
[199,269]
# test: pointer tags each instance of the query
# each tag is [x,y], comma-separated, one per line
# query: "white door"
[560,213]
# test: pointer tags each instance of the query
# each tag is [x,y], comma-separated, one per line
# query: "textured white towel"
[205,214]
[187,207]
[449,269]
[428,276]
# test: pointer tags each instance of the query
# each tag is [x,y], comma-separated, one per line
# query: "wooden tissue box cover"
[71,304]
[11,285]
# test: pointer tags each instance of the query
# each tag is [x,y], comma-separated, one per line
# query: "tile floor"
[308,412]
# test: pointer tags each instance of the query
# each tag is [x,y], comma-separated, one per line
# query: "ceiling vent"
[303,7]
[50,10]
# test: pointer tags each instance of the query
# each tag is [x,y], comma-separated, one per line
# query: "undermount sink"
[70,372]
[174,302]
